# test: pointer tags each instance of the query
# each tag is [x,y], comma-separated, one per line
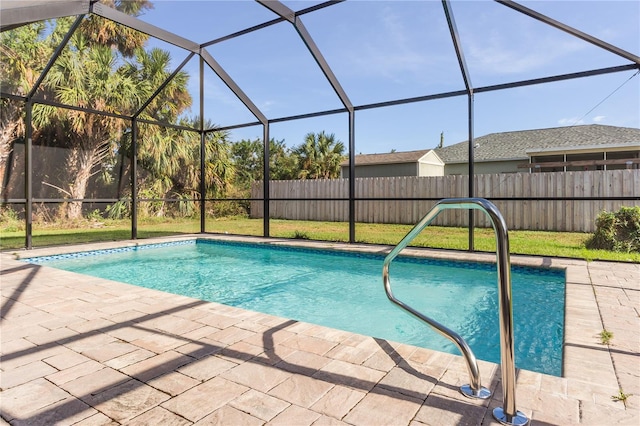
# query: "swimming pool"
[344,290]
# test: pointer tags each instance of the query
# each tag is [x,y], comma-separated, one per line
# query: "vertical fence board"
[570,205]
[517,206]
[526,205]
[587,189]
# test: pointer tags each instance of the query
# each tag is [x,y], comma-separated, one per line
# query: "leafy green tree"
[283,161]
[320,156]
[248,159]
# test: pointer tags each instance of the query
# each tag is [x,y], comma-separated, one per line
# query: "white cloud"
[503,55]
[394,43]
[570,121]
[573,121]
[392,50]
[266,105]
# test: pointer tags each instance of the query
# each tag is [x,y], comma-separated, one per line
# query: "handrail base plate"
[518,420]
[482,393]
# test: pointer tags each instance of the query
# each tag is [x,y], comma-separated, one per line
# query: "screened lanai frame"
[16,13]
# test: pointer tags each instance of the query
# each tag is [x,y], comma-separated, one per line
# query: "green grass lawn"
[556,244]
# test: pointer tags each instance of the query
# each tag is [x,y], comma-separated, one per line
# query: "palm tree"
[161,149]
[150,69]
[164,152]
[320,156]
[93,51]
[87,77]
[21,53]
[170,160]
[103,32]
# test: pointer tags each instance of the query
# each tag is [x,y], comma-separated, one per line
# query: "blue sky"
[388,50]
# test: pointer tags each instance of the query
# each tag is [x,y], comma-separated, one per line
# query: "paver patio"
[88,351]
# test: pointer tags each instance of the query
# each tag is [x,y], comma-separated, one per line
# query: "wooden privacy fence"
[535,213]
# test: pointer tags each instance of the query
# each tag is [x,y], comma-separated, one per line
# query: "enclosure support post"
[203,153]
[203,184]
[472,189]
[448,11]
[28,178]
[134,179]
[265,180]
[352,177]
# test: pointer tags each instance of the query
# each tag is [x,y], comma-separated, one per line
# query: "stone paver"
[301,390]
[24,374]
[95,382]
[86,351]
[21,401]
[66,411]
[384,407]
[127,400]
[256,375]
[157,366]
[158,416]
[259,404]
[205,398]
[173,383]
[294,415]
[440,410]
[228,415]
[207,368]
[338,401]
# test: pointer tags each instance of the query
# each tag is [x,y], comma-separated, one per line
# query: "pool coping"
[591,372]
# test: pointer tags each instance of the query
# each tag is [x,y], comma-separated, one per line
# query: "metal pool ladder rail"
[508,414]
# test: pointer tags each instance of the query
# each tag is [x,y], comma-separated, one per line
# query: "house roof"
[389,158]
[516,145]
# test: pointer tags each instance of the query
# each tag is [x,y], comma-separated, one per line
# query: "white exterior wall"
[430,165]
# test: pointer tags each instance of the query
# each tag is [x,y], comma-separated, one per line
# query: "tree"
[150,69]
[283,162]
[320,156]
[87,74]
[170,163]
[21,53]
[24,51]
[104,32]
[87,77]
[248,157]
[219,171]
[162,151]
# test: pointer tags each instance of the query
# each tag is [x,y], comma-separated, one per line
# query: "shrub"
[95,215]
[617,231]
[10,220]
[118,210]
[301,235]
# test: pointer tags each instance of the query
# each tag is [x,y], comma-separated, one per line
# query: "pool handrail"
[508,415]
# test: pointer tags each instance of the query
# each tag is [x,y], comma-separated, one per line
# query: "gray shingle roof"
[388,158]
[514,145]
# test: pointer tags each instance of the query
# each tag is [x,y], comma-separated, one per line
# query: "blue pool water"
[345,291]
